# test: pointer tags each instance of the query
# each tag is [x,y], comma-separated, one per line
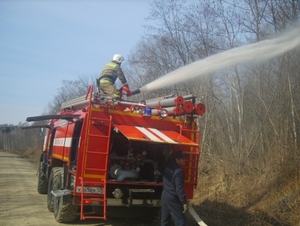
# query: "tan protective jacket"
[112,71]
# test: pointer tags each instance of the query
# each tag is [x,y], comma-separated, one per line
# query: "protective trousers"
[171,207]
[108,88]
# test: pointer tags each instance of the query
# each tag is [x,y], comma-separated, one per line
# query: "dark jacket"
[173,181]
[112,71]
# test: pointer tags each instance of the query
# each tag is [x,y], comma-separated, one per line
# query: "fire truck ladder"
[100,170]
[191,175]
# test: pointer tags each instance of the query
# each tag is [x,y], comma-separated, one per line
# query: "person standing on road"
[174,202]
[109,75]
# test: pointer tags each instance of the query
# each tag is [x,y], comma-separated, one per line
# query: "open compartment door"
[154,135]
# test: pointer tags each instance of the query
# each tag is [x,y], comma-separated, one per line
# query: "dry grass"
[271,198]
[31,154]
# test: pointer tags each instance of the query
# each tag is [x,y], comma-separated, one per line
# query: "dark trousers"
[171,207]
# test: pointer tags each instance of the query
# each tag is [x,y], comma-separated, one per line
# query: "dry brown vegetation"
[271,198]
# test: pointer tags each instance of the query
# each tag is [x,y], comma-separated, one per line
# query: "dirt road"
[20,204]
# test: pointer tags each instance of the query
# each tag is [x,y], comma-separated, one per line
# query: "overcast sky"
[45,42]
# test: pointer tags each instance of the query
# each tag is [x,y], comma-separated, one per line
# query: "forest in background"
[250,154]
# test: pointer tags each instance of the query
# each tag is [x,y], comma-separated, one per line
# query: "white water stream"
[253,53]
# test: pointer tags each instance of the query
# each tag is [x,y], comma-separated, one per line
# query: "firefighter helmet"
[118,57]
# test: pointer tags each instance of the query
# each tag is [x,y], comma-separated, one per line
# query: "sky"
[45,42]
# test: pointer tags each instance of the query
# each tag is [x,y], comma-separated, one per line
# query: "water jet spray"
[253,53]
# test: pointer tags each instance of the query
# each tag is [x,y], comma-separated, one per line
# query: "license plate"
[92,190]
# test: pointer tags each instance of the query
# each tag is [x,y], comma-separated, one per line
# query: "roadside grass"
[253,198]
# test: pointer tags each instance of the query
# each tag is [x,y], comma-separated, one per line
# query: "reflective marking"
[68,142]
[62,142]
[148,134]
[163,136]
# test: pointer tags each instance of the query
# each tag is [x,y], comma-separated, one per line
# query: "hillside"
[269,198]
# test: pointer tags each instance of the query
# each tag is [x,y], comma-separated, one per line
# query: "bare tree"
[70,90]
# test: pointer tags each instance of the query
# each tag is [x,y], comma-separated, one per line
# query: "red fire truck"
[100,154]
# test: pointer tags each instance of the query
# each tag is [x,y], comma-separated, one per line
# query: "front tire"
[42,186]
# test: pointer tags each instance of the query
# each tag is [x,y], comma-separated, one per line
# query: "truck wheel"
[63,211]
[42,185]
[52,185]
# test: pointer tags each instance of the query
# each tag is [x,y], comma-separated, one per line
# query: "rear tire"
[52,185]
[42,186]
[63,211]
